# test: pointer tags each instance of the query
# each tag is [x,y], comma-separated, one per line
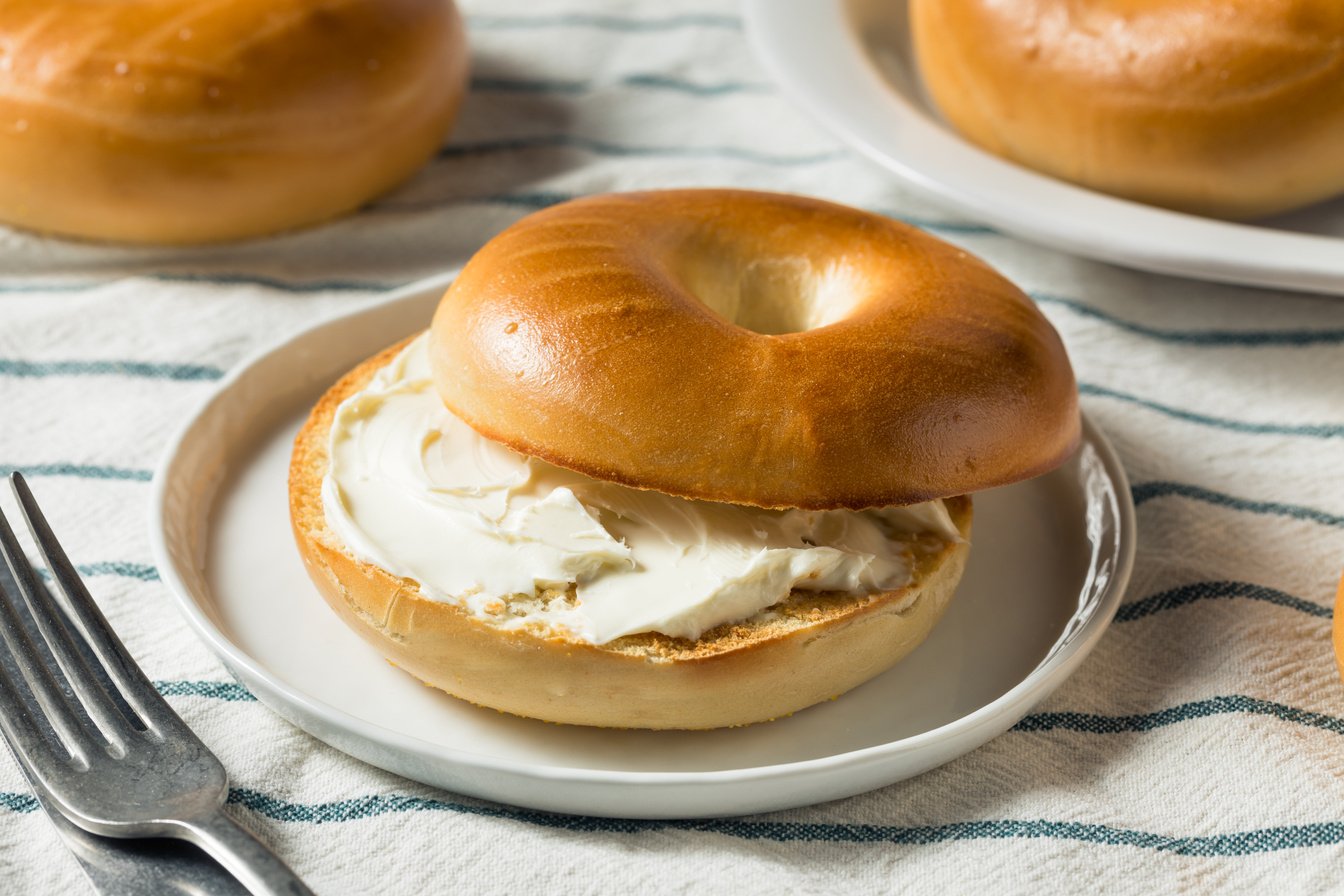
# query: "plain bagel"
[1232,108]
[753,348]
[176,121]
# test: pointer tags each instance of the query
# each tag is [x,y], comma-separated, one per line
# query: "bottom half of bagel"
[808,648]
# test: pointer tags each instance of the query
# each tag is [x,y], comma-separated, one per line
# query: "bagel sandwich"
[682,459]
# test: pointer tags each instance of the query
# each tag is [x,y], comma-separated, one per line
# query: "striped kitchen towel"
[1200,748]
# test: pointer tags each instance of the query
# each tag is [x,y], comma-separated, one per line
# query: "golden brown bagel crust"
[578,335]
[186,121]
[821,645]
[1232,108]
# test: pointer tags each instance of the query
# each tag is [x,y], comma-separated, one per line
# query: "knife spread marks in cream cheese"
[523,543]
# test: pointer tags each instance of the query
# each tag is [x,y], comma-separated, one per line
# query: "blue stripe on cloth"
[533,200]
[234,279]
[662,82]
[1197,591]
[958,227]
[1149,491]
[550,87]
[601,147]
[603,22]
[79,471]
[142,571]
[1240,843]
[228,691]
[148,370]
[1247,338]
[19,803]
[218,279]
[530,201]
[1199,709]
[1309,430]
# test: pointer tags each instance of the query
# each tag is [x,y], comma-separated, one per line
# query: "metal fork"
[128,867]
[92,732]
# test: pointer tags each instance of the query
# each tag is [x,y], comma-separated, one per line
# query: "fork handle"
[244,856]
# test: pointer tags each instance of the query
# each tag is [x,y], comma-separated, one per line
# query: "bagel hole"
[774,296]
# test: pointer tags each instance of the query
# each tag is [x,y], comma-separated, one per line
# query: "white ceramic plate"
[1050,561]
[849,64]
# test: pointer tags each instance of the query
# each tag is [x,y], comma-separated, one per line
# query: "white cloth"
[1200,748]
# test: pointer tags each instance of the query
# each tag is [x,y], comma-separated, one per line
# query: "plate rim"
[1003,711]
[1290,260]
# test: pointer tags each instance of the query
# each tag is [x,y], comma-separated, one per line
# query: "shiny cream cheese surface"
[414,490]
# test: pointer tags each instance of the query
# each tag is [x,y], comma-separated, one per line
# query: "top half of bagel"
[753,348]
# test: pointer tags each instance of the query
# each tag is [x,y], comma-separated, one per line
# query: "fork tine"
[26,726]
[54,632]
[81,646]
[121,668]
[16,695]
[35,694]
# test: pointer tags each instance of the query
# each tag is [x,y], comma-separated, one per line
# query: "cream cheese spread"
[523,543]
